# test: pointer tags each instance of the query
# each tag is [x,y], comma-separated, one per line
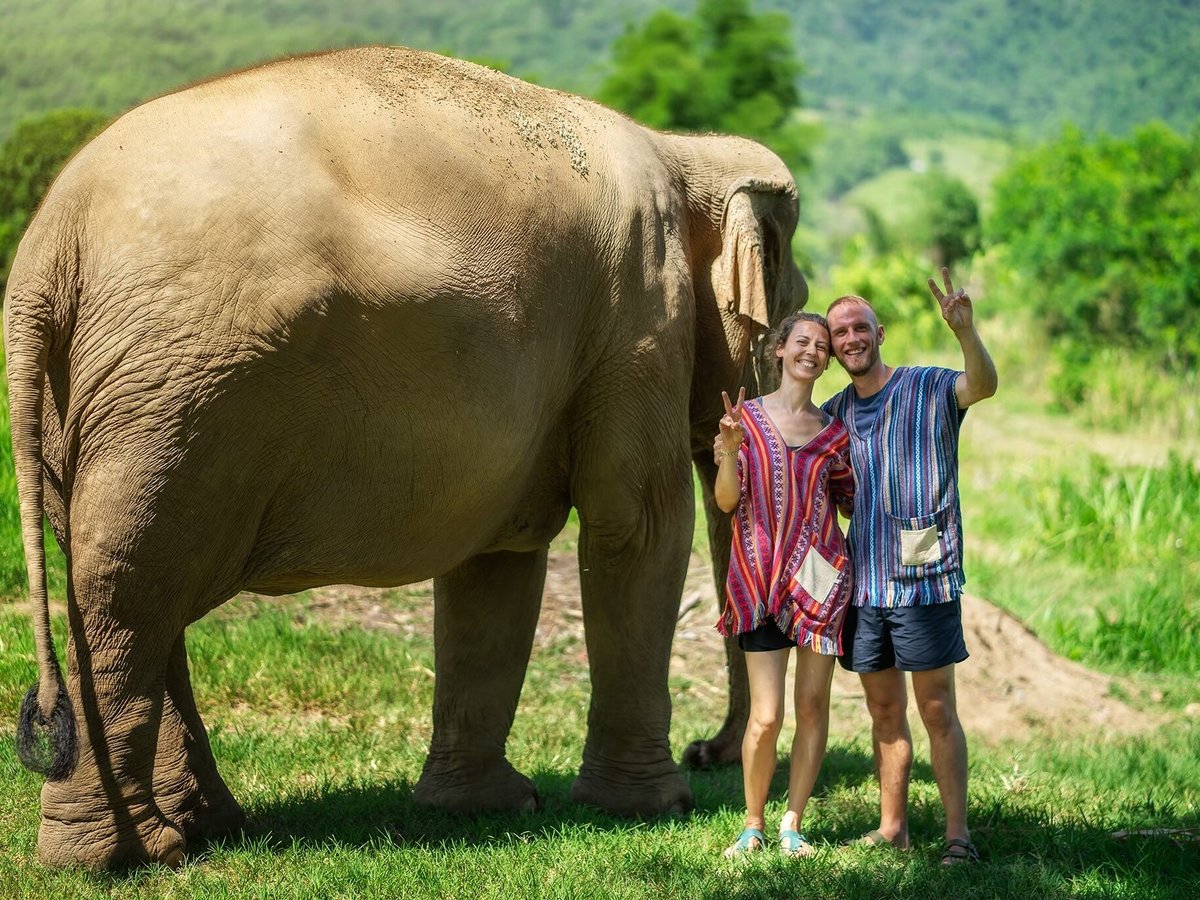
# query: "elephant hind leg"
[103,815]
[187,786]
[725,747]
[484,619]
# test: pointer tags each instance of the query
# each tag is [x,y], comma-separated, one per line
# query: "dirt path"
[1012,687]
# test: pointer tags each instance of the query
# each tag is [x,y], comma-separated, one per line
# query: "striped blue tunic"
[905,536]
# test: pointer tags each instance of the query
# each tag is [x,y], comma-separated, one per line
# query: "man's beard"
[862,363]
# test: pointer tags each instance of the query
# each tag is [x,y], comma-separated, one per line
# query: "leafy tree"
[1107,228]
[29,160]
[951,216]
[725,69]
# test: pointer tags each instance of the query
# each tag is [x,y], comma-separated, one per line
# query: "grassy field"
[321,728]
[321,732]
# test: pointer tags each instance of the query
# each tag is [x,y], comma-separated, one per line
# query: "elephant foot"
[202,814]
[625,791]
[139,839]
[475,787]
[725,749]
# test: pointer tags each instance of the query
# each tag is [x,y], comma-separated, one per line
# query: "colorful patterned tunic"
[788,559]
[906,531]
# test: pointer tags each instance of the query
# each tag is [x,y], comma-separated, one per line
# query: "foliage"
[29,160]
[852,150]
[1106,229]
[950,219]
[1107,64]
[724,70]
[1097,558]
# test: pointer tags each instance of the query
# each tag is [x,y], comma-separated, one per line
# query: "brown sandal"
[959,851]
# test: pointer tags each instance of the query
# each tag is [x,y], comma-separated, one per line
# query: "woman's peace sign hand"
[732,433]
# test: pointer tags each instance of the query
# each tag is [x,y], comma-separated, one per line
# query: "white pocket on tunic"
[816,576]
[920,547]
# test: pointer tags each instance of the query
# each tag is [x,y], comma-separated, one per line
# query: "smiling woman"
[784,471]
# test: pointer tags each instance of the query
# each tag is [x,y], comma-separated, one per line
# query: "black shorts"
[909,638]
[767,636]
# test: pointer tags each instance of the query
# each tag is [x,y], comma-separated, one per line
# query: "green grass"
[1100,561]
[321,733]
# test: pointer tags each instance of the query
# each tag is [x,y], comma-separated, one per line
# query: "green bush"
[851,150]
[1105,229]
[950,216]
[897,284]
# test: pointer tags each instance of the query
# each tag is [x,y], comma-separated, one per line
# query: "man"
[906,551]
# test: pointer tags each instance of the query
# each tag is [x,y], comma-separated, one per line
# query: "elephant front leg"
[725,747]
[187,786]
[485,616]
[633,563]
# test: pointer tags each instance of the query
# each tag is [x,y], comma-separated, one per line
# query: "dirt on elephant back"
[1012,687]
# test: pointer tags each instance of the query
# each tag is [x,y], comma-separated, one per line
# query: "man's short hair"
[851,298]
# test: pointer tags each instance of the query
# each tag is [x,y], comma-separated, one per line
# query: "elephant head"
[742,214]
[754,278]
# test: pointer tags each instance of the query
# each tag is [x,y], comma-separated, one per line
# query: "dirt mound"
[1011,687]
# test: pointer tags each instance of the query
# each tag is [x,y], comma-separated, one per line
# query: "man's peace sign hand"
[732,433]
[956,305]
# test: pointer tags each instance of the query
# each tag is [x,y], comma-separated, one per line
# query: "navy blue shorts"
[767,636]
[909,638]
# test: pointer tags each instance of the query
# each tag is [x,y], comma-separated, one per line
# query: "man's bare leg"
[887,702]
[934,691]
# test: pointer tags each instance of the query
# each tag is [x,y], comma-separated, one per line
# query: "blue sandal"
[748,841]
[793,843]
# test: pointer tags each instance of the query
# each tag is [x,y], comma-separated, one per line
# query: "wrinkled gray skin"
[372,317]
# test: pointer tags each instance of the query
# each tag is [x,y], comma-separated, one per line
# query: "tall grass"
[1102,560]
[1139,527]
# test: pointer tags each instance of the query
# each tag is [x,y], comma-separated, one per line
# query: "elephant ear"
[739,272]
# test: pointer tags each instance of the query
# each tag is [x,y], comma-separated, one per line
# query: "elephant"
[373,316]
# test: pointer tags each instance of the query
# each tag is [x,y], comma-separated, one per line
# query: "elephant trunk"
[46,733]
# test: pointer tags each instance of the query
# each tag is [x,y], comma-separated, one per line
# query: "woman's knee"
[766,722]
[812,707]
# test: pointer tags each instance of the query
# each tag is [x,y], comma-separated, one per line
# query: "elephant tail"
[46,730]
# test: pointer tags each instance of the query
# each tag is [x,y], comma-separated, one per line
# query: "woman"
[783,465]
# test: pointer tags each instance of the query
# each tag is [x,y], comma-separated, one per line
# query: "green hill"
[1103,64]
